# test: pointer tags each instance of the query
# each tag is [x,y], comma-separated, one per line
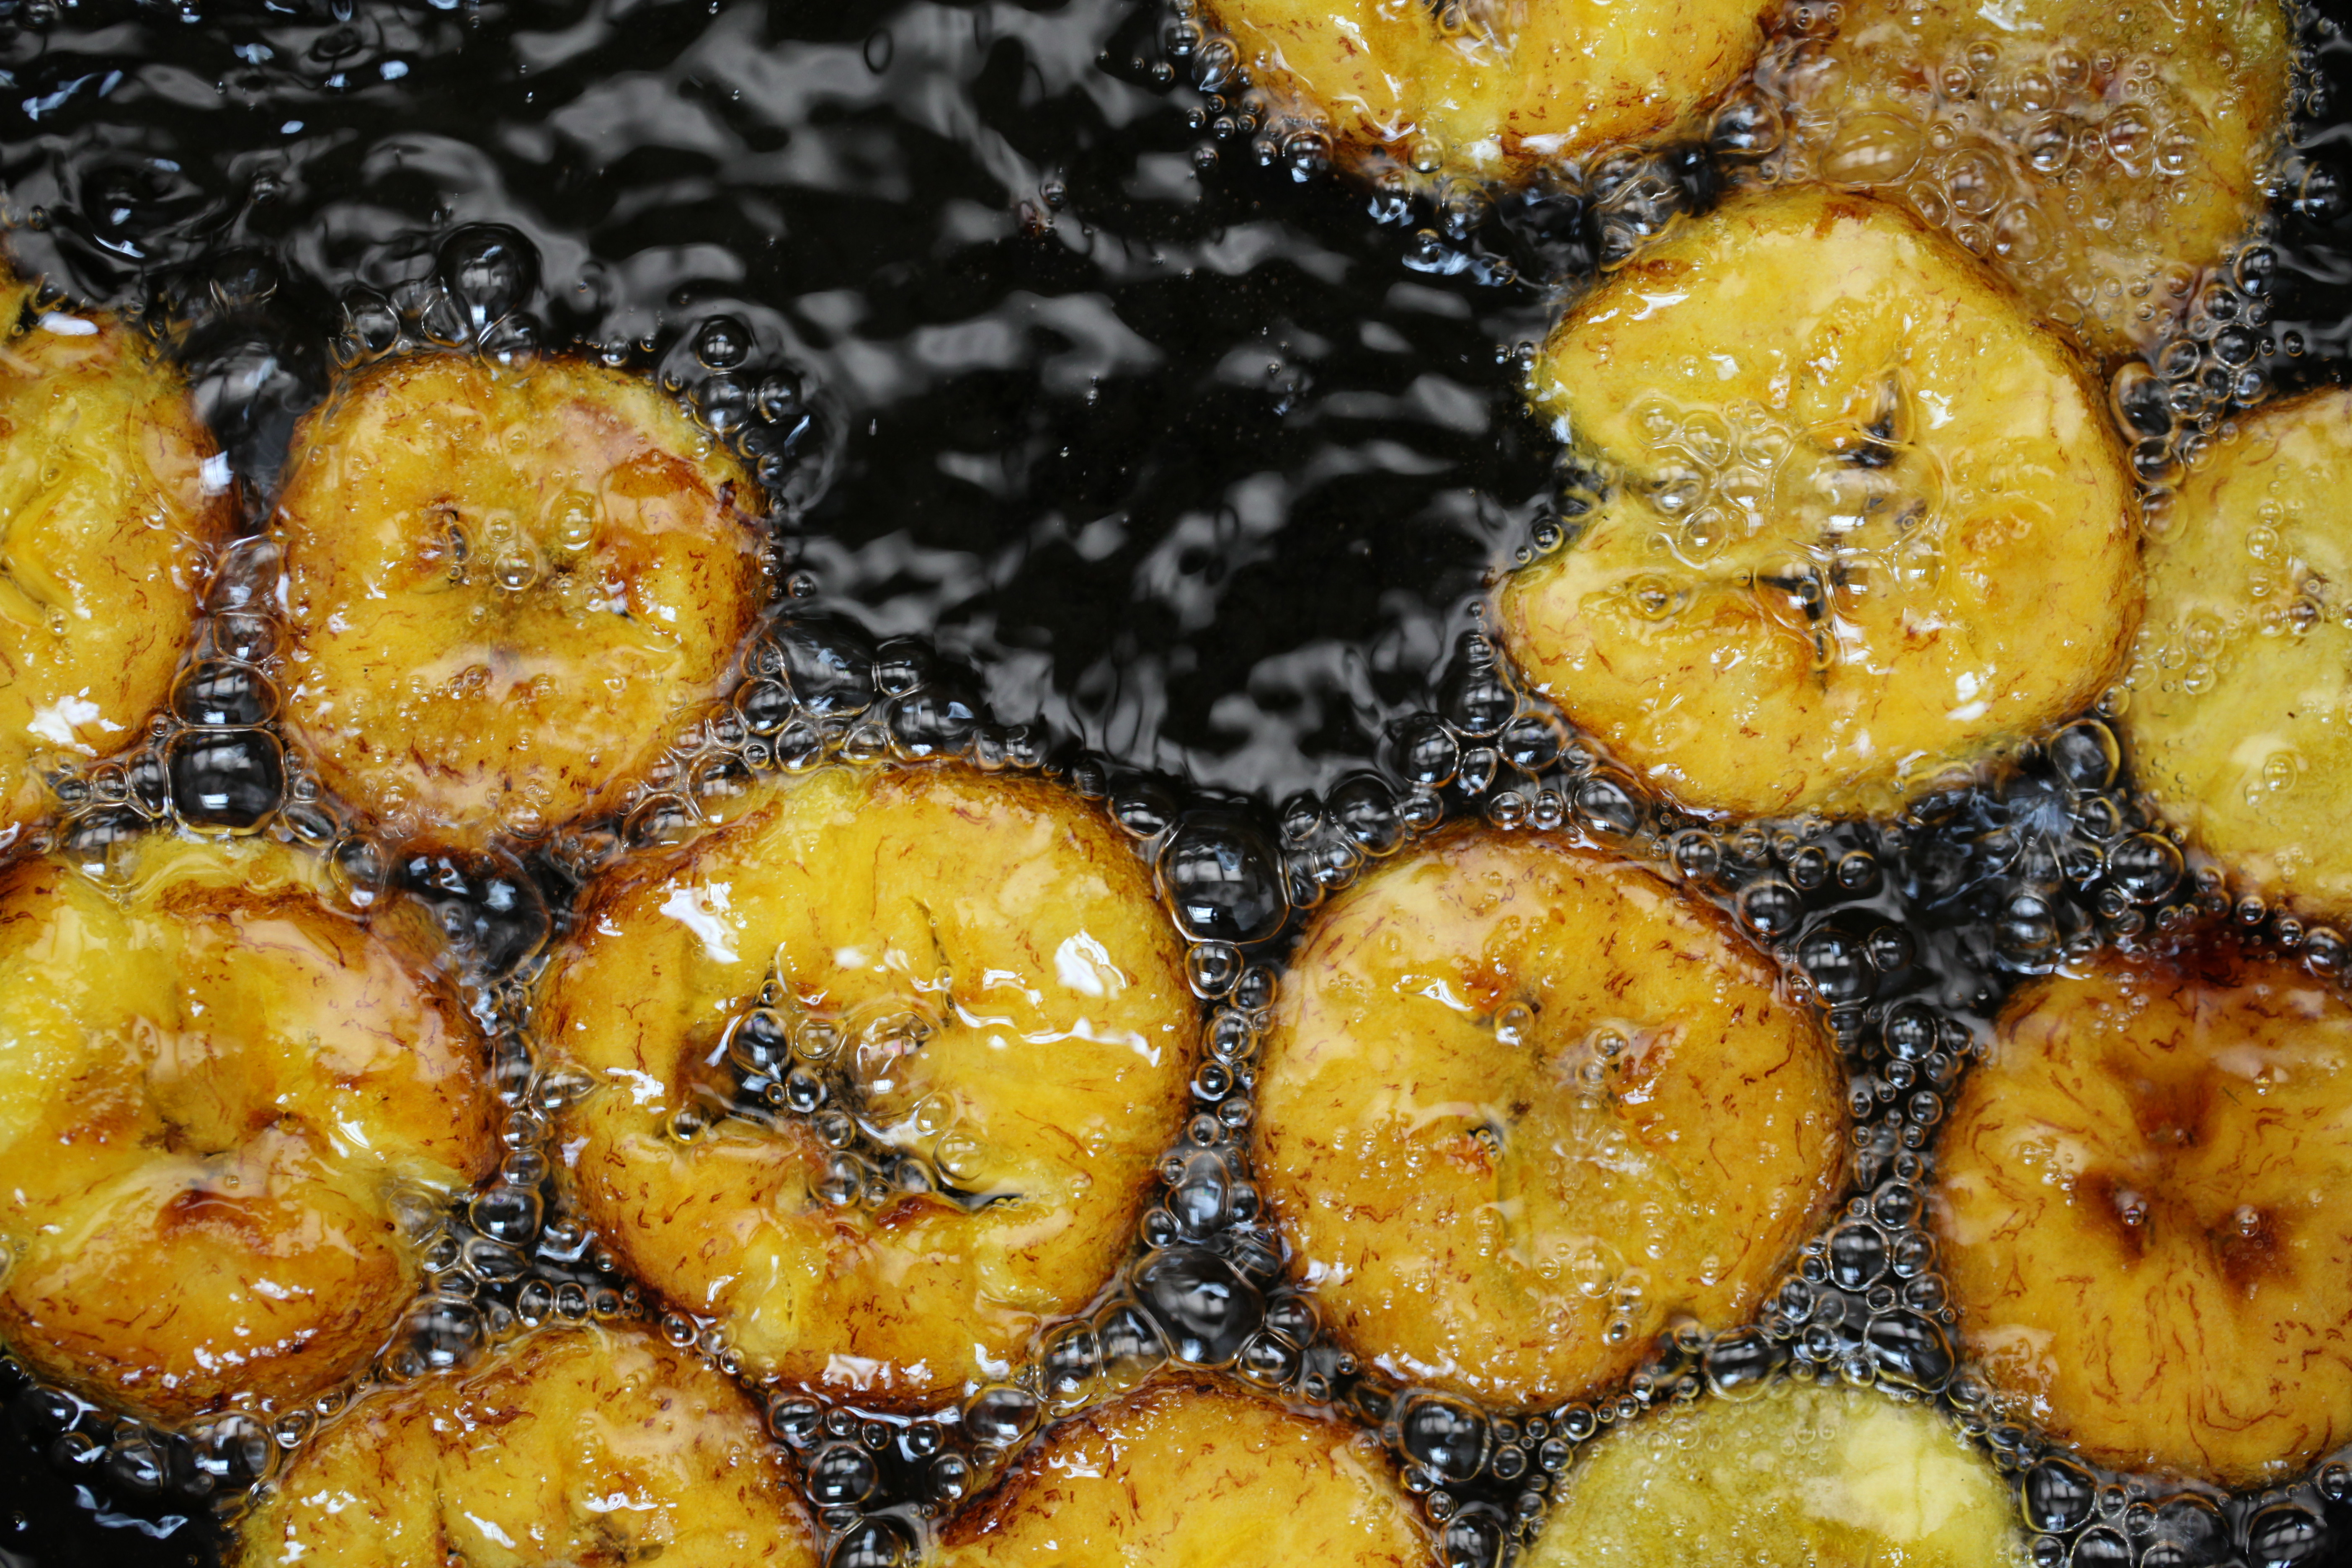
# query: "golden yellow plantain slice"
[2098,155]
[1493,88]
[218,1097]
[578,1445]
[2141,1205]
[111,502]
[976,970]
[2237,726]
[1521,1107]
[1861,519]
[1802,1476]
[503,586]
[1180,1474]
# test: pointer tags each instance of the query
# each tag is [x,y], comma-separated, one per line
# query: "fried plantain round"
[504,585]
[1860,519]
[2238,722]
[219,1099]
[2139,1202]
[1488,89]
[580,1445]
[1522,1106]
[109,510]
[1183,1473]
[1798,1476]
[2099,157]
[967,977]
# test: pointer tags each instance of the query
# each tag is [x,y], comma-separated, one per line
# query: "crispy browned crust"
[506,587]
[969,901]
[1475,1210]
[217,1091]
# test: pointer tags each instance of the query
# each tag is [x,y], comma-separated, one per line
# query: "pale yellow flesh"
[1802,1476]
[1019,927]
[1864,521]
[1184,1476]
[505,586]
[2238,724]
[578,1447]
[1494,88]
[2098,155]
[2141,1209]
[106,522]
[216,1098]
[1514,1091]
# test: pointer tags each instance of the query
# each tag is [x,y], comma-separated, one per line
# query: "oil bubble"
[1204,1305]
[1223,878]
[225,780]
[490,270]
[1445,1436]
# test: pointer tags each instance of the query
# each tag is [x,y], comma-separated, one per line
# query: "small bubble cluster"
[2173,405]
[820,1071]
[2080,1514]
[212,762]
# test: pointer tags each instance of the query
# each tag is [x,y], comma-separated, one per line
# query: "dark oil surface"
[1176,453]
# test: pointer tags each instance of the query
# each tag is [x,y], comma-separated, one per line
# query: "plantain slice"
[2238,725]
[1861,520]
[577,1445]
[966,977]
[218,1101]
[1521,1107]
[1490,88]
[504,585]
[1182,1473]
[111,502]
[1799,1476]
[2100,156]
[2140,1205]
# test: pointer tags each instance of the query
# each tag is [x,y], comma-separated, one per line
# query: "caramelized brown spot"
[2249,1245]
[202,1208]
[2120,1210]
[2171,1114]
